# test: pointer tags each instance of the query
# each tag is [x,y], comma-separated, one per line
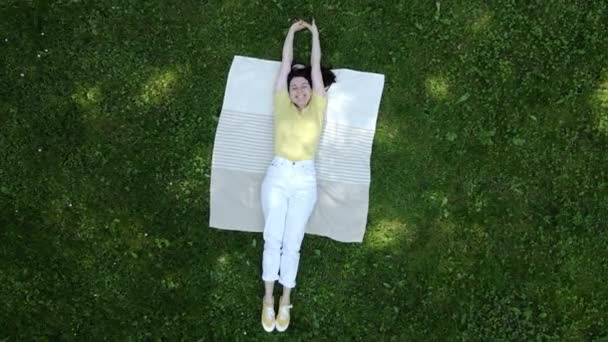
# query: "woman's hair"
[299,70]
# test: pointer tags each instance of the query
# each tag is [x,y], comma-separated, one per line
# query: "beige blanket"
[243,149]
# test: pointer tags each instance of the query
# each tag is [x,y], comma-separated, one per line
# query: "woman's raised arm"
[315,61]
[281,81]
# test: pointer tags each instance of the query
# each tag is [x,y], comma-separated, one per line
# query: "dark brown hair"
[305,71]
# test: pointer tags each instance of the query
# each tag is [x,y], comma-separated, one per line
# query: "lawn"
[488,198]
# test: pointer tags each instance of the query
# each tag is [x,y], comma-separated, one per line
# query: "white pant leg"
[274,204]
[301,205]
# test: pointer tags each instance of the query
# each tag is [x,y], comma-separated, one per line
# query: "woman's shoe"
[282,321]
[268,320]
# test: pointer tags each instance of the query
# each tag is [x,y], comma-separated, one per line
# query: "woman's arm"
[281,81]
[315,61]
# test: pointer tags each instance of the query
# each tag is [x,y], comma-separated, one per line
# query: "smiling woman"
[289,189]
[299,82]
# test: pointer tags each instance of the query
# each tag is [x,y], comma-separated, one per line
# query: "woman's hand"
[312,28]
[299,25]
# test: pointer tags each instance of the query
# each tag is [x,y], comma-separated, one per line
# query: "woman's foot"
[282,321]
[268,315]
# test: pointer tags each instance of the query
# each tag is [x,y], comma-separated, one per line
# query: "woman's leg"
[274,205]
[268,294]
[301,206]
[285,298]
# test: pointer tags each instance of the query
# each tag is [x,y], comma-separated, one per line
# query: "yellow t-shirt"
[296,134]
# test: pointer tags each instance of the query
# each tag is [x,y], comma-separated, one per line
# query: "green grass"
[488,202]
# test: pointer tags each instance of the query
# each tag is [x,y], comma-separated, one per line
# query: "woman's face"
[299,91]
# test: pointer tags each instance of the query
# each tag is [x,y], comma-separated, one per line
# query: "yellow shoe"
[268,320]
[283,318]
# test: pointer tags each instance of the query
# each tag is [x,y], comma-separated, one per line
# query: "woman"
[289,189]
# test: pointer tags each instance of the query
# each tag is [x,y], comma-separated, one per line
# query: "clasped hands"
[301,24]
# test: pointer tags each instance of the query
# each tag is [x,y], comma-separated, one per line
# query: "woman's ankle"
[268,300]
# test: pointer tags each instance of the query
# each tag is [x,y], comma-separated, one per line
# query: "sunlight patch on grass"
[170,281]
[506,69]
[386,233]
[386,133]
[194,174]
[478,233]
[88,98]
[181,188]
[600,104]
[481,22]
[437,87]
[159,86]
[223,261]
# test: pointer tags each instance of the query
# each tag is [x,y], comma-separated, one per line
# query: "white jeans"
[289,195]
